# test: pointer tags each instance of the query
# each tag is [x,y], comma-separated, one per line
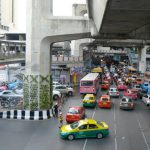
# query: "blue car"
[145,87]
[15,85]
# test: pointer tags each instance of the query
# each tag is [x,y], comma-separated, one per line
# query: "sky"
[64,7]
[60,8]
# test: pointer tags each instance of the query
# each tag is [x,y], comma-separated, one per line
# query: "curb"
[26,114]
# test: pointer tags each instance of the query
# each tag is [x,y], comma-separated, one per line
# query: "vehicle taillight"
[131,104]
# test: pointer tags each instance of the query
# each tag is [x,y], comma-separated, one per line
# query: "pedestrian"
[55,110]
[60,119]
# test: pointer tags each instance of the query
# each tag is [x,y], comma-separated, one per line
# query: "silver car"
[9,93]
[126,103]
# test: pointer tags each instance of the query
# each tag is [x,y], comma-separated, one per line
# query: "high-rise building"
[12,16]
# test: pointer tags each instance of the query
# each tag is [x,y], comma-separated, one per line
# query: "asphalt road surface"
[129,130]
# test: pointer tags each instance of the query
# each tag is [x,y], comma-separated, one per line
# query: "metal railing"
[55,59]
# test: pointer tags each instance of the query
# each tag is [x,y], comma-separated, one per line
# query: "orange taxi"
[105,101]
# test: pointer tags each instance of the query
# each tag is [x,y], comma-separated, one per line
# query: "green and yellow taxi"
[88,128]
[89,100]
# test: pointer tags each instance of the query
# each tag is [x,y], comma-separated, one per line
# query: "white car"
[56,94]
[146,100]
[113,92]
[64,89]
[9,93]
[56,83]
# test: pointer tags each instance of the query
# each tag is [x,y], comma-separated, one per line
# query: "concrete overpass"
[108,19]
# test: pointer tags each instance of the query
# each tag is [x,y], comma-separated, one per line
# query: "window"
[83,127]
[92,126]
[7,93]
[105,99]
[87,83]
[146,96]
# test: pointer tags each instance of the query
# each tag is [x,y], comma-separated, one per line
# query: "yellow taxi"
[88,128]
[89,100]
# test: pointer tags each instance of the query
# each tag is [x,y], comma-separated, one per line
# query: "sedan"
[75,114]
[131,94]
[146,99]
[122,86]
[89,100]
[126,103]
[105,101]
[105,85]
[88,128]
[9,93]
[113,92]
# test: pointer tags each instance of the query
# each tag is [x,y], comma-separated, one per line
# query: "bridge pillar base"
[142,59]
[37,92]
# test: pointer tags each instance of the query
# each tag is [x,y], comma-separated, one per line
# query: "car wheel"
[70,137]
[99,135]
[70,93]
[55,97]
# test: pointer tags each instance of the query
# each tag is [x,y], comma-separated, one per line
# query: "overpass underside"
[121,19]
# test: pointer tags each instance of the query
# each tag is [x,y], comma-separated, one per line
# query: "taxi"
[75,114]
[105,101]
[88,128]
[131,93]
[122,86]
[89,100]
[138,81]
[105,85]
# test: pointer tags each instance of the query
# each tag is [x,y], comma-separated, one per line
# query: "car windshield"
[88,98]
[105,99]
[74,111]
[74,125]
[124,100]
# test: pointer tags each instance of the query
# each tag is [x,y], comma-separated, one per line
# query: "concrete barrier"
[26,114]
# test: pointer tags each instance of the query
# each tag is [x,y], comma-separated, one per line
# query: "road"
[129,130]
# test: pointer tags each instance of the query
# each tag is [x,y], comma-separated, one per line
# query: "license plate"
[105,103]
[125,104]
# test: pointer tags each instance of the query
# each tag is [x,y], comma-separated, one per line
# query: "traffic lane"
[18,134]
[106,115]
[143,120]
[128,134]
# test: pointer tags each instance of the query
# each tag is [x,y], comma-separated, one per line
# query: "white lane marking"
[84,144]
[115,143]
[144,137]
[86,139]
[115,126]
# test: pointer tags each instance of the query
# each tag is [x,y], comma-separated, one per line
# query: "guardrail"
[112,51]
[55,59]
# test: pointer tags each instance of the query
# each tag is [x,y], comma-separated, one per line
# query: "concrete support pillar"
[142,59]
[37,79]
[77,46]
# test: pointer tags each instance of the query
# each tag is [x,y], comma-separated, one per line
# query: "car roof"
[89,95]
[76,107]
[88,121]
[105,96]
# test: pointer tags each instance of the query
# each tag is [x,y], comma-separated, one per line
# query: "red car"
[75,114]
[105,101]
[3,87]
[122,86]
[131,94]
[105,85]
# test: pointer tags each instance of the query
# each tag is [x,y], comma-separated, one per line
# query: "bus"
[98,70]
[89,84]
